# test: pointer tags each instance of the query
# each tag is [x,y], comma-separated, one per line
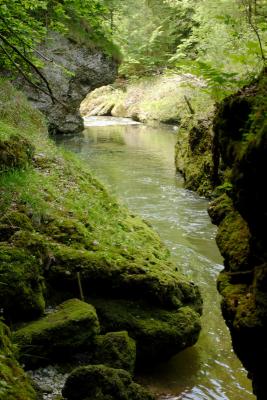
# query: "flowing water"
[137,163]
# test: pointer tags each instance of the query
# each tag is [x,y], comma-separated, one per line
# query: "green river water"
[136,162]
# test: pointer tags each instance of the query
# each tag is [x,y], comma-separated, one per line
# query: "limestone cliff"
[72,70]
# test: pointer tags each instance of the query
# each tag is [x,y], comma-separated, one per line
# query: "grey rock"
[74,71]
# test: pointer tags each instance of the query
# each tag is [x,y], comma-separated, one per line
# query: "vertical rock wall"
[240,130]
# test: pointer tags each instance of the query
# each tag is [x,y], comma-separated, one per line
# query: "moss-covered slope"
[62,233]
[14,384]
[57,220]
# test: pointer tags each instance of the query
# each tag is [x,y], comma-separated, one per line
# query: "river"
[136,162]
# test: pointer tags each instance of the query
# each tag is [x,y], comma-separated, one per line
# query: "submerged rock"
[103,383]
[72,326]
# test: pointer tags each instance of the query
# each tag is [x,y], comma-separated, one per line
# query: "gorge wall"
[235,177]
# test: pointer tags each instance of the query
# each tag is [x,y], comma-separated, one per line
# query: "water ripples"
[137,163]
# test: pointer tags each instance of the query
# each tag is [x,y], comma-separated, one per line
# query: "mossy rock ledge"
[240,128]
[99,382]
[72,327]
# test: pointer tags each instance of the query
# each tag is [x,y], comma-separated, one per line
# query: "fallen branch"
[192,111]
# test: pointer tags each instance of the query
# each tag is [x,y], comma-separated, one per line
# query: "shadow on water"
[136,162]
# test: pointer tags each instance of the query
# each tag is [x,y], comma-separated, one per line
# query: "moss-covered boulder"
[126,273]
[117,350]
[14,383]
[70,328]
[103,383]
[159,333]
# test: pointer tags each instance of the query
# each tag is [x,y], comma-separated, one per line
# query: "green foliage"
[148,33]
[25,23]
[226,46]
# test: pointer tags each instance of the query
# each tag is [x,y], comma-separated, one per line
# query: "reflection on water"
[136,162]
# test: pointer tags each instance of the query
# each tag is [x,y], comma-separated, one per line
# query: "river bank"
[56,225]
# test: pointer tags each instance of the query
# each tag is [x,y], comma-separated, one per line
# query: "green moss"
[103,383]
[72,326]
[22,289]
[116,350]
[16,113]
[16,151]
[219,208]
[57,220]
[233,240]
[193,155]
[159,334]
[14,384]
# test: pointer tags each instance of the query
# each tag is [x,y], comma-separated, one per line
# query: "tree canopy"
[224,41]
[25,23]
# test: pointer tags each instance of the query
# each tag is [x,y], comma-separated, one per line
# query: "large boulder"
[70,328]
[159,333]
[117,350]
[98,382]
[72,70]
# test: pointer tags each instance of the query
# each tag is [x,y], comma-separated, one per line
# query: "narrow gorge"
[121,126]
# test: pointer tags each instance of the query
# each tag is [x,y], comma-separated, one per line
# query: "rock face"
[241,137]
[150,100]
[74,71]
[194,153]
[103,383]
